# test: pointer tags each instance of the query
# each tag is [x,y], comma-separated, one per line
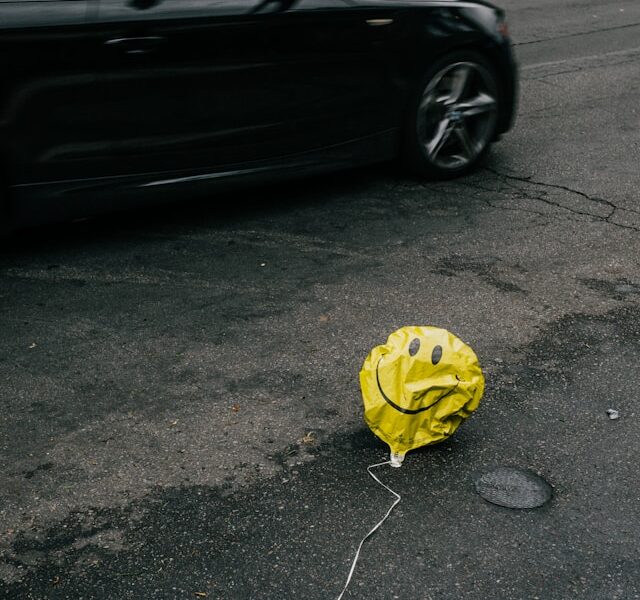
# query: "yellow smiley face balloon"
[418,387]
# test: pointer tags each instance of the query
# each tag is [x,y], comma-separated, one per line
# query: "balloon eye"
[414,346]
[436,355]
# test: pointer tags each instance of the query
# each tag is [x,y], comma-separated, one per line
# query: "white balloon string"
[364,539]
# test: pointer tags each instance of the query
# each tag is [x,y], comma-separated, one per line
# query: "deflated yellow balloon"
[419,386]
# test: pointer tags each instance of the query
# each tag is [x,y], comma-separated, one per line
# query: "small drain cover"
[513,488]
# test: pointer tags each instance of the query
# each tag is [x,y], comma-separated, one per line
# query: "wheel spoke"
[465,141]
[426,102]
[440,138]
[459,84]
[482,103]
[430,100]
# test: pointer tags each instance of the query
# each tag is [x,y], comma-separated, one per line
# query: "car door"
[183,84]
[47,89]
[199,85]
[334,65]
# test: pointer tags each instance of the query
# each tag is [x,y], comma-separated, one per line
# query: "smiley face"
[419,386]
[410,402]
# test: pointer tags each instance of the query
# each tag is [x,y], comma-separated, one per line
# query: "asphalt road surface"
[181,415]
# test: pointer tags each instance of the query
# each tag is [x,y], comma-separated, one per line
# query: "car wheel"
[453,118]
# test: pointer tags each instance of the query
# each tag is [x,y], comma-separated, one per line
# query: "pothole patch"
[514,488]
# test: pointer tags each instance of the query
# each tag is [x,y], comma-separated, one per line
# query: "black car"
[104,103]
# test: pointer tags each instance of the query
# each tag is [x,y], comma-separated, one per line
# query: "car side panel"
[234,81]
[48,99]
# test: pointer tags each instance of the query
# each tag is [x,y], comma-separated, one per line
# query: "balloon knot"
[396,459]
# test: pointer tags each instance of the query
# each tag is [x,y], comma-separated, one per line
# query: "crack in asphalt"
[551,63]
[579,34]
[480,191]
[613,208]
[581,69]
[540,71]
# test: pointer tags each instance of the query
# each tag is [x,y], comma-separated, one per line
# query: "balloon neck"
[396,459]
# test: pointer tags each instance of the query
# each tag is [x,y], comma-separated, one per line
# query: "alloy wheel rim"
[457,115]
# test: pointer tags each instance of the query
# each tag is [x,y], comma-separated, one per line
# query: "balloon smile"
[411,411]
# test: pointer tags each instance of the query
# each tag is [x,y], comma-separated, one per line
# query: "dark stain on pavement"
[621,289]
[29,473]
[491,271]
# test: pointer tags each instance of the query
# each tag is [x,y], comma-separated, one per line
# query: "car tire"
[453,116]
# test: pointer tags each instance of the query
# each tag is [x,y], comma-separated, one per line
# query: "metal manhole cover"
[514,488]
